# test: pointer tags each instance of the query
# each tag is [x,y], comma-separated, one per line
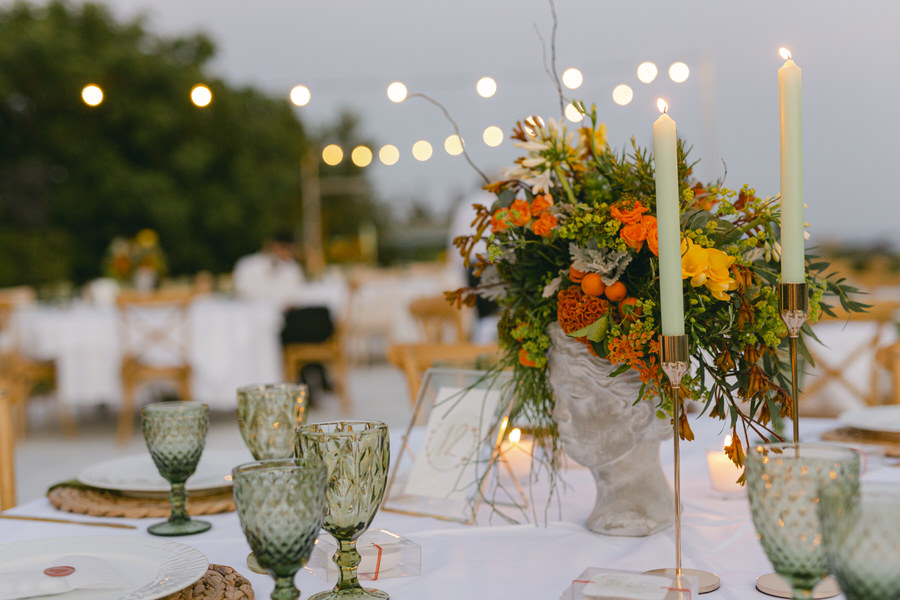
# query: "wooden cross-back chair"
[435,317]
[873,348]
[7,448]
[155,336]
[415,359]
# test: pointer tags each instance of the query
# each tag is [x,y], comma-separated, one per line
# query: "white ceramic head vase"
[602,428]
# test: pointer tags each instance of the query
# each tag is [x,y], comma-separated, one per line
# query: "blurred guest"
[270,275]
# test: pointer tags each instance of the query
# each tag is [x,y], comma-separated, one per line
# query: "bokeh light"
[361,156]
[92,94]
[647,72]
[486,87]
[389,154]
[300,95]
[422,150]
[572,78]
[573,114]
[493,136]
[453,145]
[201,95]
[332,155]
[679,72]
[396,92]
[622,94]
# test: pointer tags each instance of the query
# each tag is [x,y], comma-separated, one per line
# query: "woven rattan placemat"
[848,435]
[219,583]
[77,498]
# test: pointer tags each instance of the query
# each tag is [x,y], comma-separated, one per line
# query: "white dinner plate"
[137,473]
[882,419]
[153,567]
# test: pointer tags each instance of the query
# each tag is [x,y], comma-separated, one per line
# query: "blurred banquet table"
[232,344]
[500,560]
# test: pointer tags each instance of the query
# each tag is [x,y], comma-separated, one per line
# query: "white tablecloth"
[518,561]
[232,344]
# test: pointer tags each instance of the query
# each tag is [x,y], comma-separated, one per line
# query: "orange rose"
[524,359]
[500,220]
[634,235]
[540,204]
[520,213]
[544,225]
[649,224]
[626,215]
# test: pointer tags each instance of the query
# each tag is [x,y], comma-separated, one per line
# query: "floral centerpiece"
[572,238]
[138,261]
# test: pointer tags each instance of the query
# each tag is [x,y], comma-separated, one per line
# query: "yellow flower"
[146,238]
[719,264]
[694,260]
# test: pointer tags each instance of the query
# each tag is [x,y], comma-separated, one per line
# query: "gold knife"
[69,521]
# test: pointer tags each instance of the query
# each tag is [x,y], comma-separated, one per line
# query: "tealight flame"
[515,435]
[662,105]
[727,441]
[785,53]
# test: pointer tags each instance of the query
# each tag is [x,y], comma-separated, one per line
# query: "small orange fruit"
[592,284]
[575,275]
[616,291]
[630,314]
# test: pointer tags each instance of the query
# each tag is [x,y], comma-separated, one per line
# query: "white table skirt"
[518,561]
[232,344]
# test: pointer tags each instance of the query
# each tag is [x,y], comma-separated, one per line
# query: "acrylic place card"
[608,584]
[383,555]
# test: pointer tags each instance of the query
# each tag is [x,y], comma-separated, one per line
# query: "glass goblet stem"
[285,588]
[178,499]
[347,559]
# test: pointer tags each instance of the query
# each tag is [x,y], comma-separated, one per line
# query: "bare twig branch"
[428,98]
[550,68]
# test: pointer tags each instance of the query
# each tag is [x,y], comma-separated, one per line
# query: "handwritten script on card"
[446,464]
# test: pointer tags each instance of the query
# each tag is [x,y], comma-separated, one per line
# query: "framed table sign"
[453,454]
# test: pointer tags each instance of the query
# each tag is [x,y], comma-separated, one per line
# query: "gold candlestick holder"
[674,354]
[793,302]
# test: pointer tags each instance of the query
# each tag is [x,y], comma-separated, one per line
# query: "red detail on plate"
[60,571]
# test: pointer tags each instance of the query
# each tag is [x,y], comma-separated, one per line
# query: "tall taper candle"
[790,111]
[668,217]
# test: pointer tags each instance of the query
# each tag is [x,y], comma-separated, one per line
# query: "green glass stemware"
[783,487]
[357,454]
[268,415]
[861,531]
[175,433]
[281,504]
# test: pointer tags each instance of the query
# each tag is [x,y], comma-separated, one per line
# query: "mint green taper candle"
[668,218]
[790,111]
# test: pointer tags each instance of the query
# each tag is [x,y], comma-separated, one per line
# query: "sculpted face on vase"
[602,428]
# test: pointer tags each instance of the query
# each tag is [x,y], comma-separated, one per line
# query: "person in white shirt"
[271,275]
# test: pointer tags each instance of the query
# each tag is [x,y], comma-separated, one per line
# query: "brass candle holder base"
[674,355]
[774,584]
[793,300]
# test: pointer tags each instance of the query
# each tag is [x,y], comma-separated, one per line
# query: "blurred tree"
[213,182]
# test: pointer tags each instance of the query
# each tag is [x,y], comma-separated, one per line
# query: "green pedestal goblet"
[268,416]
[861,531]
[175,433]
[357,454]
[281,504]
[783,487]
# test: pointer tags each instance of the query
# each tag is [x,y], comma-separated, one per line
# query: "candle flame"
[785,53]
[504,423]
[662,105]
[515,435]
[727,441]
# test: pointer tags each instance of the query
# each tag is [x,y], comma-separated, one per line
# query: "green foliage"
[213,182]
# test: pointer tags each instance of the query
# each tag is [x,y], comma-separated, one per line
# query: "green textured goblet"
[175,433]
[281,504]
[783,486]
[268,415]
[357,454]
[861,531]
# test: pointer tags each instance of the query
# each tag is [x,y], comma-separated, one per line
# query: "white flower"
[533,162]
[532,146]
[540,184]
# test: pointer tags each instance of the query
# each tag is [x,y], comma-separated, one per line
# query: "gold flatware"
[69,521]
